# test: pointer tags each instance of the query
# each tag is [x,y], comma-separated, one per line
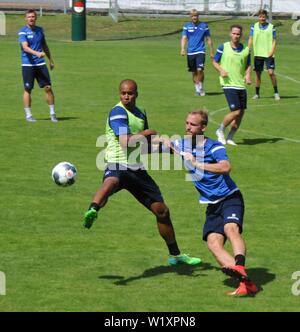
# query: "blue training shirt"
[262,27]
[35,39]
[212,187]
[220,50]
[196,34]
[118,119]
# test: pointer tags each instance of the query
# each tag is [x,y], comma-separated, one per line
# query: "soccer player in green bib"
[126,127]
[232,61]
[263,38]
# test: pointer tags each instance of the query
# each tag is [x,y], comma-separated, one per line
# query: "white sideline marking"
[251,131]
[287,77]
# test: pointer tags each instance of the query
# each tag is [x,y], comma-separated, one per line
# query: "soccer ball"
[64,174]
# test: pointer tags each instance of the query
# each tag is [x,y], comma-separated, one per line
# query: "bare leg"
[215,243]
[164,222]
[108,187]
[49,95]
[233,234]
[27,99]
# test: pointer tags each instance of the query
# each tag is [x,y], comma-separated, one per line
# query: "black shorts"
[260,61]
[40,73]
[230,210]
[196,62]
[138,182]
[236,99]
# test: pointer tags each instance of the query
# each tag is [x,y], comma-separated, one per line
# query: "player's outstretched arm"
[125,140]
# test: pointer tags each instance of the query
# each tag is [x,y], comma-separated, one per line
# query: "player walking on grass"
[194,35]
[126,126]
[232,61]
[263,38]
[33,51]
[209,167]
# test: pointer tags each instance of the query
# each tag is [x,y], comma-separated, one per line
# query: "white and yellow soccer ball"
[64,174]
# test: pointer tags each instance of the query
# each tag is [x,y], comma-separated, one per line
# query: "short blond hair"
[193,12]
[201,112]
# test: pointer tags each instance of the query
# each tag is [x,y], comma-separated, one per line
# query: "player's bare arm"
[125,140]
[183,45]
[222,72]
[222,167]
[29,50]
[47,52]
[211,47]
[248,75]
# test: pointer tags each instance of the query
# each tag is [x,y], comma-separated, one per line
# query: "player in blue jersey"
[194,35]
[126,126]
[263,38]
[33,51]
[207,162]
[232,61]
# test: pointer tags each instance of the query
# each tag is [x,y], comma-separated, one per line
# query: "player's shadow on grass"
[254,141]
[187,270]
[260,276]
[214,93]
[61,118]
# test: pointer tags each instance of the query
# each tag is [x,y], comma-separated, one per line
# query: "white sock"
[231,134]
[27,112]
[200,85]
[221,128]
[197,88]
[52,111]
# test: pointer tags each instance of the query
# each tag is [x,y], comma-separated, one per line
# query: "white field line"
[251,131]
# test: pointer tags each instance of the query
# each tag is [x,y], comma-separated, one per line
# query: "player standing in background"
[209,167]
[232,60]
[33,51]
[263,38]
[194,35]
[126,126]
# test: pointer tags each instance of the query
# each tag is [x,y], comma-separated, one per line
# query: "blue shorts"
[230,210]
[40,73]
[236,99]
[260,61]
[196,62]
[138,182]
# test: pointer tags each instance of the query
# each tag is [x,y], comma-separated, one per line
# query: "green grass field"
[52,264]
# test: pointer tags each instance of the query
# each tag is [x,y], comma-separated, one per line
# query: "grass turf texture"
[53,264]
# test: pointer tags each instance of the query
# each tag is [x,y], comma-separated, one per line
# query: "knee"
[271,72]
[213,245]
[232,230]
[48,88]
[162,213]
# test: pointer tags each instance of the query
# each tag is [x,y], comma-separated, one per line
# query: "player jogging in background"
[263,38]
[33,51]
[232,61]
[194,35]
[209,167]
[126,125]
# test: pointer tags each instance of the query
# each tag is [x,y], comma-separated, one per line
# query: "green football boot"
[183,259]
[89,217]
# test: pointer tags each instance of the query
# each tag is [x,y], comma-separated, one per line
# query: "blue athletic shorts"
[40,73]
[236,99]
[196,62]
[260,61]
[138,182]
[230,210]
